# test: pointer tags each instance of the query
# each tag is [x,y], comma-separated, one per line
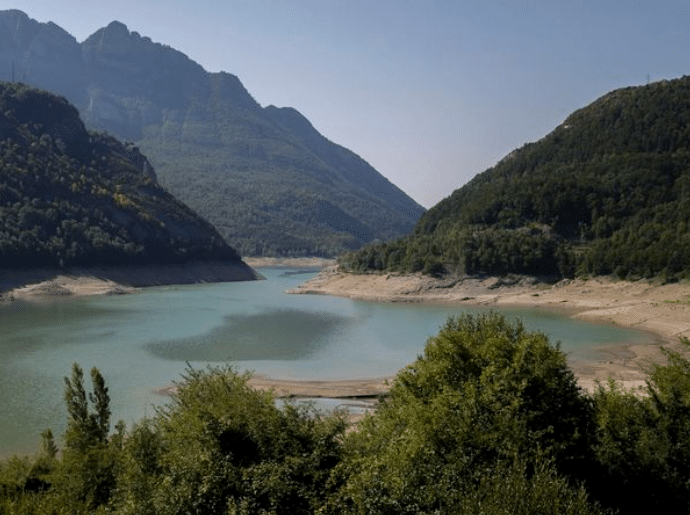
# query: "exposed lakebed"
[143,342]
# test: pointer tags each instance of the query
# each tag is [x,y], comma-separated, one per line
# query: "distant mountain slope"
[264,177]
[69,197]
[608,191]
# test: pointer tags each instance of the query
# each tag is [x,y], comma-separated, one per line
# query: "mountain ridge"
[205,134]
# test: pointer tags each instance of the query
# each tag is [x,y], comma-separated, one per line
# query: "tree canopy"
[72,197]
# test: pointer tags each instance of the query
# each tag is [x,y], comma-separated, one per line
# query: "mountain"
[265,177]
[606,192]
[70,197]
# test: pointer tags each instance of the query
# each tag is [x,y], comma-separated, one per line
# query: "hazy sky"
[429,92]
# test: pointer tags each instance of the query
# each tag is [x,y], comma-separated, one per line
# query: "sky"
[429,92]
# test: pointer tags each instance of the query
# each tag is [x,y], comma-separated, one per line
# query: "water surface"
[143,342]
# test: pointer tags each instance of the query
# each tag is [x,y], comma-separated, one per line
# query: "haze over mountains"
[265,177]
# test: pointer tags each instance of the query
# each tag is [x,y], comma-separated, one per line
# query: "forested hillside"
[72,197]
[264,177]
[607,192]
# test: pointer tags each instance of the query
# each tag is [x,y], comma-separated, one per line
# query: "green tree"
[604,193]
[85,477]
[223,446]
[643,440]
[486,400]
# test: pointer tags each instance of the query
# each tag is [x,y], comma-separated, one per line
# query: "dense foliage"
[70,197]
[488,420]
[219,447]
[488,402]
[607,192]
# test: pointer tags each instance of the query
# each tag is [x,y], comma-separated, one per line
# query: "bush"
[488,420]
[487,400]
[643,441]
[222,445]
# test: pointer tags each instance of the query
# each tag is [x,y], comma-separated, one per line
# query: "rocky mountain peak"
[17,30]
[116,39]
[21,34]
[15,17]
[117,27]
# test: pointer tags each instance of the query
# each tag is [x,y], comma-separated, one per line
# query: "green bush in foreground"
[219,447]
[490,411]
[643,441]
[223,446]
[488,420]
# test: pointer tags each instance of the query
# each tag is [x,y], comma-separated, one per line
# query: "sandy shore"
[69,285]
[341,389]
[50,283]
[44,284]
[663,310]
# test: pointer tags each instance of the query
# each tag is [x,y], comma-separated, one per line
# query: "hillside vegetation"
[489,420]
[267,192]
[607,192]
[263,176]
[69,197]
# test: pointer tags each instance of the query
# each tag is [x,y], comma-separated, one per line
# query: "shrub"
[487,400]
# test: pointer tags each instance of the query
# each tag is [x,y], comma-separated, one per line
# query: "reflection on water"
[280,334]
[141,342]
[26,326]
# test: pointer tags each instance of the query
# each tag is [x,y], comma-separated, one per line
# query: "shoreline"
[301,262]
[52,283]
[341,389]
[663,310]
[660,310]
[48,284]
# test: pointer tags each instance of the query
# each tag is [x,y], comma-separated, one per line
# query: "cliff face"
[41,54]
[120,81]
[261,175]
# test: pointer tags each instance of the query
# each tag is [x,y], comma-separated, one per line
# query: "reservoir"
[143,342]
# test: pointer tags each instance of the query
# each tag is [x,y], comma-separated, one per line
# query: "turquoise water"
[142,342]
